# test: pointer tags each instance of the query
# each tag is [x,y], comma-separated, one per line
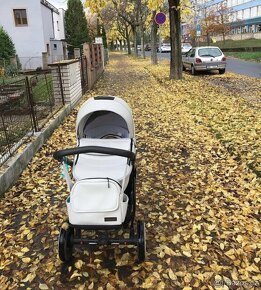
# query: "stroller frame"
[72,235]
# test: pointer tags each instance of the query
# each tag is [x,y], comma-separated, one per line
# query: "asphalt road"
[248,68]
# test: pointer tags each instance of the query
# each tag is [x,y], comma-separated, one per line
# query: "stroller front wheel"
[65,247]
[141,241]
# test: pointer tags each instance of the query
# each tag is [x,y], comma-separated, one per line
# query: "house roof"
[50,6]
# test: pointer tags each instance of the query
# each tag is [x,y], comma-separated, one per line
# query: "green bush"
[11,70]
[7,48]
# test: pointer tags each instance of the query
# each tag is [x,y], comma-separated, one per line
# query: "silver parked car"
[165,47]
[204,58]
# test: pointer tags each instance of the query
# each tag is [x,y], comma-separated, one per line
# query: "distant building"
[245,15]
[36,28]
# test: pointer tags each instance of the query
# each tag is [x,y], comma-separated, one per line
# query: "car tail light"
[224,58]
[198,60]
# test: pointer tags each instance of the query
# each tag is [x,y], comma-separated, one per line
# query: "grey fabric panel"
[102,123]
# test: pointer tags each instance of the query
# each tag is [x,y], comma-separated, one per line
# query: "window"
[55,46]
[191,53]
[253,12]
[20,17]
[206,52]
[58,25]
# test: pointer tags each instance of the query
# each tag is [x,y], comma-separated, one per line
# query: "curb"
[19,162]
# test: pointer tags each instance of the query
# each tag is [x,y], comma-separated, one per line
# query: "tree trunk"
[134,31]
[142,42]
[175,40]
[208,38]
[112,45]
[120,41]
[153,41]
[128,40]
[224,40]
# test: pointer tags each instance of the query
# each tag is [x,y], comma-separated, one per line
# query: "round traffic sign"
[160,18]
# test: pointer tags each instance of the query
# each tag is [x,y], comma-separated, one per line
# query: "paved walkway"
[199,204]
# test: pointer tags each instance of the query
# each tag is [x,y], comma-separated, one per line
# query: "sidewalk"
[200,205]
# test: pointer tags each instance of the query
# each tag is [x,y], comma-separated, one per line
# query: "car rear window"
[209,52]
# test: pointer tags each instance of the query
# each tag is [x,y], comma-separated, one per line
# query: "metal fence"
[28,102]
[25,106]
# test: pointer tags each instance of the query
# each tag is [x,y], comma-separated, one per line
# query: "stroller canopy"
[105,116]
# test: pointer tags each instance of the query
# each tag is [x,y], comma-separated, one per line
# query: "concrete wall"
[28,39]
[47,20]
[31,40]
[17,164]
[58,19]
[241,36]
[71,81]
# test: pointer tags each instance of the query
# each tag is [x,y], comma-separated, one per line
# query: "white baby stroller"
[102,192]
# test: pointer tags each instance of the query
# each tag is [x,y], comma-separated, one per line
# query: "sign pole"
[160,39]
[160,19]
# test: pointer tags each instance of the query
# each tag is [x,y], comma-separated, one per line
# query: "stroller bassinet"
[102,192]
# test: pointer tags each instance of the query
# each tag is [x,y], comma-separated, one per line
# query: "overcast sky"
[59,3]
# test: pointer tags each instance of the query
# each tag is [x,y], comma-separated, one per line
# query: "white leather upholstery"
[97,202]
[101,165]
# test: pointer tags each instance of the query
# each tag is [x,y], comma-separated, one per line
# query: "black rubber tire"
[222,71]
[65,248]
[193,71]
[183,68]
[141,241]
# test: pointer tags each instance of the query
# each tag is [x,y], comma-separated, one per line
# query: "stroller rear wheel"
[65,247]
[131,192]
[141,241]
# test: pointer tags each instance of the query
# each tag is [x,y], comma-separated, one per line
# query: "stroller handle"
[59,155]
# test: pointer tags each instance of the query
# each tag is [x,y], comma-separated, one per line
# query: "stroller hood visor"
[98,118]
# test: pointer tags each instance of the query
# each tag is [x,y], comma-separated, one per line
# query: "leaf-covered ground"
[198,191]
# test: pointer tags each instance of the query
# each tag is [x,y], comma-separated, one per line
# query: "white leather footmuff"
[97,201]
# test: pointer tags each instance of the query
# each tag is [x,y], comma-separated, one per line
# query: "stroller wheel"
[141,241]
[65,246]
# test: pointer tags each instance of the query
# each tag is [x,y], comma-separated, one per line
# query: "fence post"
[6,135]
[87,53]
[61,82]
[77,52]
[45,60]
[31,103]
[13,61]
[93,57]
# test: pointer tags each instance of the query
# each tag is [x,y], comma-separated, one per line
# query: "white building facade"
[244,15]
[37,31]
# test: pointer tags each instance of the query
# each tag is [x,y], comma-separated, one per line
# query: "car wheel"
[222,71]
[183,67]
[193,71]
